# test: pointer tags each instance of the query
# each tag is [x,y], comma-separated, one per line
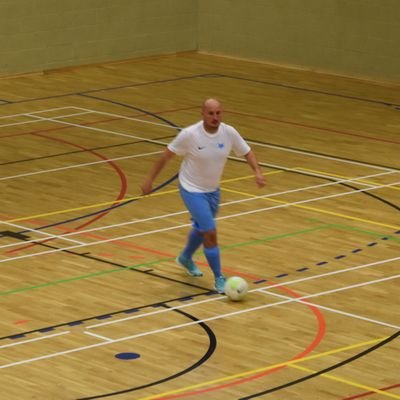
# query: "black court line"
[204,292]
[280,85]
[367,164]
[303,89]
[211,75]
[99,317]
[348,185]
[324,371]
[212,345]
[182,78]
[131,107]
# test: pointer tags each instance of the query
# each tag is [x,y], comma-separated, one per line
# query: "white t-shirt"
[205,155]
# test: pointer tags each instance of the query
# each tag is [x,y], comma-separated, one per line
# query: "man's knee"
[210,238]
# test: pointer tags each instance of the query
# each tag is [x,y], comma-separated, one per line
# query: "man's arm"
[155,170]
[252,161]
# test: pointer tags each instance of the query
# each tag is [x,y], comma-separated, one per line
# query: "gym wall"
[359,38]
[37,35]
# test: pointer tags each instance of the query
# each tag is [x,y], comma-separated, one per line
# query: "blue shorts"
[203,208]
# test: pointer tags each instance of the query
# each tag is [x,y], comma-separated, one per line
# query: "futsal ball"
[236,288]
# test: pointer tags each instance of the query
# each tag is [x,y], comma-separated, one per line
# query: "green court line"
[42,285]
[77,278]
[110,271]
[223,248]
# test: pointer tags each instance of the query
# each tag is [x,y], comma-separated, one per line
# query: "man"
[205,147]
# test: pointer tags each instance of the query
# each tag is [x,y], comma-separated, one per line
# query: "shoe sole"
[187,271]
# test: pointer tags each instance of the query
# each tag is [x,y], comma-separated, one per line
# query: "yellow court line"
[315,209]
[264,369]
[107,203]
[88,207]
[344,177]
[348,382]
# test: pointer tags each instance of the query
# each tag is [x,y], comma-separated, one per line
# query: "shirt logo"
[201,147]
[221,145]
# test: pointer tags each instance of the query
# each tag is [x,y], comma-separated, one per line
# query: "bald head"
[211,111]
[209,103]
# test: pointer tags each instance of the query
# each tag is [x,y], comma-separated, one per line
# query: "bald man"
[205,147]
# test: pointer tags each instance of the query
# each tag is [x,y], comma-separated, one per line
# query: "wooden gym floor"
[92,303]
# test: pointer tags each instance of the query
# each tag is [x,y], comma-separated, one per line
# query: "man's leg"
[203,208]
[194,241]
[212,253]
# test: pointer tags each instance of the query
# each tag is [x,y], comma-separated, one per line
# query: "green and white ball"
[236,288]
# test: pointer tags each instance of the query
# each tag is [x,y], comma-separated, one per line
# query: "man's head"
[211,112]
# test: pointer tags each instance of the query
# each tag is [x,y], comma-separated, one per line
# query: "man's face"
[212,116]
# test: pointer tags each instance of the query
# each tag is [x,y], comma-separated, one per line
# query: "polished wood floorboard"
[93,304]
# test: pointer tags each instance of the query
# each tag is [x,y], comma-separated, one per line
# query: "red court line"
[121,195]
[313,127]
[358,396]
[321,331]
[132,246]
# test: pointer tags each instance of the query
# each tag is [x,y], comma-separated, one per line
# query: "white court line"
[261,289]
[334,310]
[173,327]
[72,115]
[79,165]
[104,338]
[136,119]
[36,120]
[88,111]
[44,111]
[185,211]
[92,128]
[132,235]
[34,339]
[59,108]
[235,158]
[13,116]
[49,235]
[320,156]
[310,200]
